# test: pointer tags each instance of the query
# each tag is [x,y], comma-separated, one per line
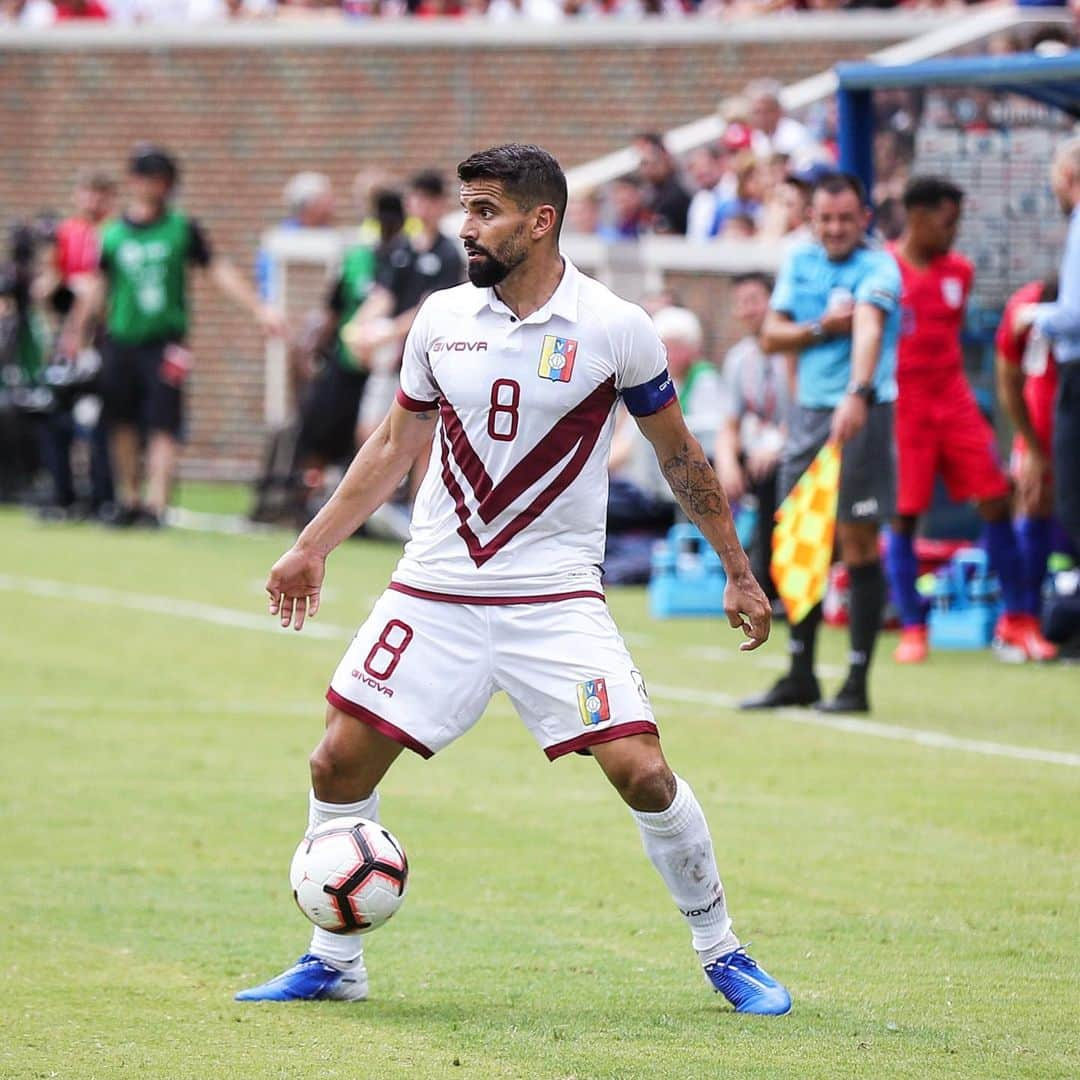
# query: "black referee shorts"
[867,462]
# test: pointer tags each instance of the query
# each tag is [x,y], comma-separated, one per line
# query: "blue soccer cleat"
[311,979]
[748,987]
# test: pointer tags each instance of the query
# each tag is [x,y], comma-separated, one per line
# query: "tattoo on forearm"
[694,483]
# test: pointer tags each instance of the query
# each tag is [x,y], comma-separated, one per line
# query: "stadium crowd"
[42,13]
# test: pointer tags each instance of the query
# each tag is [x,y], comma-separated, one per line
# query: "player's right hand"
[295,584]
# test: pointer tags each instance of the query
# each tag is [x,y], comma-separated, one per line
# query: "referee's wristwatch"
[817,332]
[863,390]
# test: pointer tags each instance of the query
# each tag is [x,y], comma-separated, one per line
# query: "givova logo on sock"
[593,702]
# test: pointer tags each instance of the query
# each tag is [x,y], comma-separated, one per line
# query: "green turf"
[215,498]
[921,903]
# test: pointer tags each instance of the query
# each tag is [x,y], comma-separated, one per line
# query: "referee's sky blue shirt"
[1060,320]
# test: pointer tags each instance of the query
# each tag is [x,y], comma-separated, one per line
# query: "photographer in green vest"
[142,286]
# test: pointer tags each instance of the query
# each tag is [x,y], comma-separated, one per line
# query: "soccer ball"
[349,875]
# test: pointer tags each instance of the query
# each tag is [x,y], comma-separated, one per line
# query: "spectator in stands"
[219,10]
[746,201]
[30,13]
[69,10]
[309,198]
[309,203]
[666,199]
[738,227]
[1059,321]
[705,167]
[836,304]
[547,11]
[773,132]
[628,209]
[786,214]
[142,286]
[754,426]
[584,213]
[893,154]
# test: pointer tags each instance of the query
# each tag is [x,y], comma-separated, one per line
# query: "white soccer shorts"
[422,672]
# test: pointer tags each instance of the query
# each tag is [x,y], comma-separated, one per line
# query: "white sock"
[339,950]
[678,843]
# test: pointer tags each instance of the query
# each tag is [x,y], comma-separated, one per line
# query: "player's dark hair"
[929,192]
[837,183]
[528,174]
[756,277]
[429,182]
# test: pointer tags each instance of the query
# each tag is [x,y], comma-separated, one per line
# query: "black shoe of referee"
[850,698]
[790,690]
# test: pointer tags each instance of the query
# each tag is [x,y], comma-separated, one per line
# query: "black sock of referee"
[801,642]
[864,612]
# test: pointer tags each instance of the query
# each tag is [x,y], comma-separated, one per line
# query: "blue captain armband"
[650,397]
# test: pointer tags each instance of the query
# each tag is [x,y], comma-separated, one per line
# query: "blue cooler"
[966,603]
[687,576]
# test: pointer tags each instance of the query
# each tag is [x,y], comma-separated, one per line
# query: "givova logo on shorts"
[593,702]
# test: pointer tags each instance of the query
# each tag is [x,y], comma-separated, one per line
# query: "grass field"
[921,901]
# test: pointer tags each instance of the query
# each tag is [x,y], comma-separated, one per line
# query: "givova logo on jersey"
[593,702]
[557,358]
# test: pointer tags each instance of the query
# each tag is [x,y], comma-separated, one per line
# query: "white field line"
[165,605]
[853,725]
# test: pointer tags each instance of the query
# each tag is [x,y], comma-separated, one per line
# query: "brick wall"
[245,114]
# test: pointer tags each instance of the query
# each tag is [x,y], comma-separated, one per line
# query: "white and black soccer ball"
[349,875]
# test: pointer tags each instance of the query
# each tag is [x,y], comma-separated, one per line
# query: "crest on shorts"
[557,358]
[593,702]
[952,291]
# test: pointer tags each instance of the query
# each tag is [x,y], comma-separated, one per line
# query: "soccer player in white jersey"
[515,376]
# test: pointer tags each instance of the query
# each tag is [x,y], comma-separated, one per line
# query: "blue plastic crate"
[688,578]
[966,603]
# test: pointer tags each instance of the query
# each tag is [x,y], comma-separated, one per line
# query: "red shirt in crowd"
[932,315]
[88,9]
[1031,352]
[77,247]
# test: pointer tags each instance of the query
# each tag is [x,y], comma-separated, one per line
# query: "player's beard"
[496,265]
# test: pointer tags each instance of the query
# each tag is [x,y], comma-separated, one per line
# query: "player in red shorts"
[939,428]
[1027,381]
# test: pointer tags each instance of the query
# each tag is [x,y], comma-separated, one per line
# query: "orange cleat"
[913,647]
[1018,637]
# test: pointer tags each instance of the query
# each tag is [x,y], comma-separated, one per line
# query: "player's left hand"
[295,584]
[849,418]
[748,609]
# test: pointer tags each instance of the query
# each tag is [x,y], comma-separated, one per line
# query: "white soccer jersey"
[514,501]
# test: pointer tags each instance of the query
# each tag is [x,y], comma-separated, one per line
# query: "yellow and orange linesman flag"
[802,541]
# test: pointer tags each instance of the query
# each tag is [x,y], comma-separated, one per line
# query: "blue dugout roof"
[1052,80]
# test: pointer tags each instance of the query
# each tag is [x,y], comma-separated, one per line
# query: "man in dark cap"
[142,284]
